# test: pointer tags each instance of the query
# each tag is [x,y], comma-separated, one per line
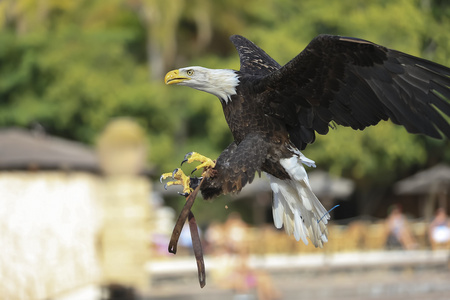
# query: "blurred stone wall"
[49,225]
[125,236]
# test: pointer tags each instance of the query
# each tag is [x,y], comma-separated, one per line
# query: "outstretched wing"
[253,59]
[235,167]
[357,83]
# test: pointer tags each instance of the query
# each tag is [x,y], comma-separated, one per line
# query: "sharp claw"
[179,177]
[186,157]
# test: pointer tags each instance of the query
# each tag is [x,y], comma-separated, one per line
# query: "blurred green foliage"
[74,65]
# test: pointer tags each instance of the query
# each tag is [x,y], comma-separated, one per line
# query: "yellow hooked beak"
[174,77]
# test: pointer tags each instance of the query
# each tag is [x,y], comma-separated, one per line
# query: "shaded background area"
[70,68]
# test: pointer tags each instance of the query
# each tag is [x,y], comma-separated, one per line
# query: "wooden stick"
[196,243]
[182,219]
[198,251]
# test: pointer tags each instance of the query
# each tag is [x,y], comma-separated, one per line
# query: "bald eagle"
[274,111]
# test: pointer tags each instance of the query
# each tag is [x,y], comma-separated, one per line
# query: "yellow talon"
[206,162]
[164,176]
[180,179]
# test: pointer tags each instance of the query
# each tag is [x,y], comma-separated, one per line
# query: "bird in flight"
[275,111]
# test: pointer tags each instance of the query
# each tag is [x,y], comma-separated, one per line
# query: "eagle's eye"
[190,72]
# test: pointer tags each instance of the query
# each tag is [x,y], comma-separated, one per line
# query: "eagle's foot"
[206,163]
[179,179]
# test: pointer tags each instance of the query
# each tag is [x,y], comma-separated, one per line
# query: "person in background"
[234,270]
[439,230]
[399,235]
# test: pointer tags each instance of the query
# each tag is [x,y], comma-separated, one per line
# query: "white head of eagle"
[221,82]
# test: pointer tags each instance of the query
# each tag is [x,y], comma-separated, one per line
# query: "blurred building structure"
[69,220]
[426,190]
[50,215]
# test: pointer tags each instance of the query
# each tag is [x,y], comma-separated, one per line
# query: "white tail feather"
[295,206]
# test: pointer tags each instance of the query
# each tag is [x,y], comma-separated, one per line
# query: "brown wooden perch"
[186,214]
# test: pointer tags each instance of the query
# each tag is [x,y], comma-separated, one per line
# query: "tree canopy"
[74,65]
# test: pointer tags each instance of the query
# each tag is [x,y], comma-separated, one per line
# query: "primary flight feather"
[274,111]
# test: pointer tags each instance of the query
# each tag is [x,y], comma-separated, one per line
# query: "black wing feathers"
[357,83]
[347,81]
[253,59]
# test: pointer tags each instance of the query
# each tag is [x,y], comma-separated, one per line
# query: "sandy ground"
[417,279]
